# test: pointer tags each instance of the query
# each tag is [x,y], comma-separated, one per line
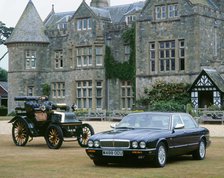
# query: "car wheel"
[20,133]
[99,162]
[54,136]
[87,131]
[161,155]
[200,153]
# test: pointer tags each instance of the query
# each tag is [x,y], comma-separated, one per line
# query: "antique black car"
[36,116]
[149,136]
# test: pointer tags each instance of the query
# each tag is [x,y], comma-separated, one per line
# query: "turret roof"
[29,28]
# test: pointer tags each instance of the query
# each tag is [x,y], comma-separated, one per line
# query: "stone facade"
[196,29]
[174,41]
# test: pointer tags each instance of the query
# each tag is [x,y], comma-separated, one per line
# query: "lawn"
[37,161]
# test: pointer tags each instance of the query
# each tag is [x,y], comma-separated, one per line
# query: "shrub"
[3,111]
[164,96]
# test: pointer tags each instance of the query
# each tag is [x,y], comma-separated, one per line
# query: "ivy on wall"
[122,70]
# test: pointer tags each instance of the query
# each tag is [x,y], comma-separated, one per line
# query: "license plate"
[112,153]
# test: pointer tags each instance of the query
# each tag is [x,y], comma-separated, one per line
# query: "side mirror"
[179,126]
[114,125]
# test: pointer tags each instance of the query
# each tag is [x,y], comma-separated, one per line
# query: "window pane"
[161,54]
[89,23]
[84,24]
[99,102]
[162,65]
[123,92]
[152,55]
[79,24]
[90,92]
[98,60]
[99,91]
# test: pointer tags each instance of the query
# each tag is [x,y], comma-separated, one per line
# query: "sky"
[11,10]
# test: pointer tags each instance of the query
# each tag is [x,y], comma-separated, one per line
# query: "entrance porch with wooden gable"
[208,90]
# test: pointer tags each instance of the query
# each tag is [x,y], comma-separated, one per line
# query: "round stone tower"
[27,48]
[100,3]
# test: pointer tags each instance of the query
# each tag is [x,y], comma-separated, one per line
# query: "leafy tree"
[5,32]
[3,75]
[166,97]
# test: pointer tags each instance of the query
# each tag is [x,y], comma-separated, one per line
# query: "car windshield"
[146,120]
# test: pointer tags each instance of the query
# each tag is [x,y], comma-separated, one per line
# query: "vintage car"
[36,116]
[149,136]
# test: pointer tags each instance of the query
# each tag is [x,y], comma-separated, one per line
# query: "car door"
[178,140]
[191,131]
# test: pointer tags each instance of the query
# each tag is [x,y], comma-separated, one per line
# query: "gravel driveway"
[99,126]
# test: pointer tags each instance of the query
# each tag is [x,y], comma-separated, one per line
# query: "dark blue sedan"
[152,136]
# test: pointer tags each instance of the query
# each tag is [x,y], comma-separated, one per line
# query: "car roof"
[154,112]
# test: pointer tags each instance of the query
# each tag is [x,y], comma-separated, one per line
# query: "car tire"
[87,132]
[99,162]
[54,136]
[20,133]
[200,153]
[160,156]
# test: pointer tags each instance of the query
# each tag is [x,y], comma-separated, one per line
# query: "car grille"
[115,143]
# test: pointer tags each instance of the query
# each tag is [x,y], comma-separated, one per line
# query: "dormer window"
[129,19]
[163,12]
[84,24]
[62,26]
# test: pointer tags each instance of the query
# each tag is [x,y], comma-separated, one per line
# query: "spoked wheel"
[87,131]
[20,133]
[200,153]
[54,136]
[161,155]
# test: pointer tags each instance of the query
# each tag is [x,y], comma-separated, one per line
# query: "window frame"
[84,56]
[84,24]
[166,11]
[30,59]
[58,90]
[58,59]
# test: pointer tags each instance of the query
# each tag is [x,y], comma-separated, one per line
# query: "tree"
[3,75]
[5,32]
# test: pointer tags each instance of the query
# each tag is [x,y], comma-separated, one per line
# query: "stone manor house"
[175,41]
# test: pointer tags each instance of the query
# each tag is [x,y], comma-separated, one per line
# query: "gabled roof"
[55,18]
[114,13]
[208,3]
[29,28]
[101,12]
[117,13]
[216,78]
[213,76]
[4,86]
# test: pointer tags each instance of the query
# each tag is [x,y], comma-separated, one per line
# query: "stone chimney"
[100,3]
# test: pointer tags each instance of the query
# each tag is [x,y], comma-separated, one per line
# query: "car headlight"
[142,144]
[134,144]
[96,143]
[90,143]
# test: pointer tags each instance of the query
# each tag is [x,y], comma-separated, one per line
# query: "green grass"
[36,160]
